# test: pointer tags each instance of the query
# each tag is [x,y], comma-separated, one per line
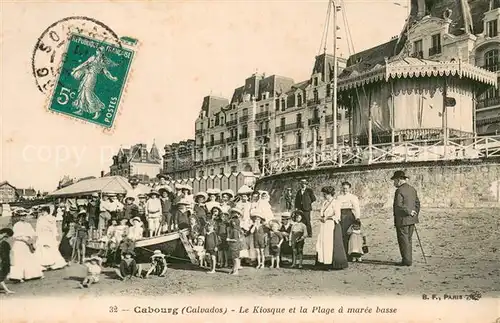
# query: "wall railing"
[398,152]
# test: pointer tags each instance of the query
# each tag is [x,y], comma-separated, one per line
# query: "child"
[297,236]
[94,269]
[5,257]
[275,241]
[259,239]
[130,210]
[142,210]
[211,246]
[233,240]
[136,231]
[153,213]
[121,230]
[158,264]
[183,214]
[286,229]
[199,249]
[81,236]
[355,250]
[200,209]
[128,266]
[195,229]
[166,205]
[221,225]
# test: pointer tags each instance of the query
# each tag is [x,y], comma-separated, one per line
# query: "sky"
[188,50]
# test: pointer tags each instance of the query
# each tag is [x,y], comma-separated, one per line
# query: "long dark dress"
[4,260]
[347,219]
[339,253]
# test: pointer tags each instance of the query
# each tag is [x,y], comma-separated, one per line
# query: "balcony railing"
[314,121]
[291,126]
[215,143]
[198,131]
[434,51]
[262,115]
[244,155]
[231,123]
[489,102]
[232,139]
[262,132]
[418,54]
[258,152]
[243,135]
[313,101]
[244,118]
[466,148]
[492,67]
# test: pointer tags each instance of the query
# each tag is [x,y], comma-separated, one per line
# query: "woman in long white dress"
[47,245]
[329,246]
[264,207]
[24,262]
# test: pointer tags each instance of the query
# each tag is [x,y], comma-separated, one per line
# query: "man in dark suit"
[303,202]
[406,208]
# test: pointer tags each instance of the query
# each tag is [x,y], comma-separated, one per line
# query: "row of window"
[234,169]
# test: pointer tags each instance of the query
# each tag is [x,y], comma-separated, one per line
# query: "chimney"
[102,173]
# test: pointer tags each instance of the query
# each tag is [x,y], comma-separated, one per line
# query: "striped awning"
[415,67]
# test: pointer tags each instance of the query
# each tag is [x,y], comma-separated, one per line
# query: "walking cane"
[420,243]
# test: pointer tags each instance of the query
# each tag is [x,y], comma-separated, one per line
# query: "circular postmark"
[50,47]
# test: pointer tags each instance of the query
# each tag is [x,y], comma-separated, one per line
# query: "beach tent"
[102,185]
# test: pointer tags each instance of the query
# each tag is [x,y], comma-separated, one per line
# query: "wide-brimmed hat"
[203,194]
[183,202]
[154,192]
[128,197]
[256,214]
[304,181]
[236,210]
[399,174]
[157,253]
[215,206]
[286,215]
[213,191]
[110,194]
[228,192]
[245,190]
[128,252]
[178,186]
[95,194]
[186,187]
[141,196]
[166,177]
[135,219]
[163,189]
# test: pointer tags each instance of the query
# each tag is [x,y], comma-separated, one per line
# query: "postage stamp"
[91,80]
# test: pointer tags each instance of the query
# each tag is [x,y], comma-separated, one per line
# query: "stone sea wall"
[459,184]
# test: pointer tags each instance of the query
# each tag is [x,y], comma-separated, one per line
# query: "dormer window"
[418,49]
[492,28]
[283,104]
[315,81]
[436,45]
[494,4]
[299,100]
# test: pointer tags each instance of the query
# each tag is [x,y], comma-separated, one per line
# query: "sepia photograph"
[344,153]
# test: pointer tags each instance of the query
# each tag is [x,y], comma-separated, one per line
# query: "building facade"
[266,118]
[137,161]
[274,117]
[8,193]
[178,161]
[486,53]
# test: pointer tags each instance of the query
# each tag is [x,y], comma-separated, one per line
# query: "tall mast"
[335,72]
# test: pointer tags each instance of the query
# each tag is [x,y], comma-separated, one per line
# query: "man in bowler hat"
[303,202]
[406,208]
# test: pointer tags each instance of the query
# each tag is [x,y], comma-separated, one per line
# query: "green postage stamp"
[92,79]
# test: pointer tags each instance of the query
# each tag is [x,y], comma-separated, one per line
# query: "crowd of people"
[226,230]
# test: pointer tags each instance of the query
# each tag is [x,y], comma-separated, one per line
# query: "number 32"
[113,309]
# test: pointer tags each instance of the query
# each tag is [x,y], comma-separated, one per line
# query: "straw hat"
[136,219]
[228,192]
[187,187]
[157,253]
[244,190]
[205,195]
[286,215]
[94,258]
[130,197]
[166,177]
[178,186]
[236,210]
[154,192]
[183,202]
[213,191]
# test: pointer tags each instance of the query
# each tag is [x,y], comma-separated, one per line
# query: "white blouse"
[331,210]
[350,201]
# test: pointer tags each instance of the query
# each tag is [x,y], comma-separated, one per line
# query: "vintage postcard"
[241,161]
